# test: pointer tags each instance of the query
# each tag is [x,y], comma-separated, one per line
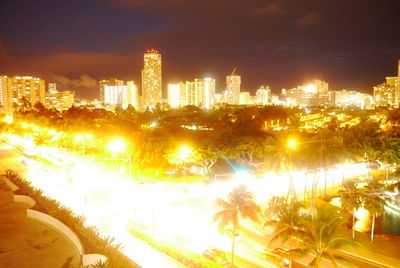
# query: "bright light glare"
[292,143]
[184,153]
[116,146]
[310,89]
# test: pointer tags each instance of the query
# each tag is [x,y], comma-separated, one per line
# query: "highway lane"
[110,202]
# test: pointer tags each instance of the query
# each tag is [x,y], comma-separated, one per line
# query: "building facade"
[232,91]
[17,88]
[200,92]
[122,95]
[151,79]
[263,95]
[59,100]
[345,98]
[108,82]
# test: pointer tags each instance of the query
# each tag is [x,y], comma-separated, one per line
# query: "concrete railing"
[87,259]
[25,200]
[59,226]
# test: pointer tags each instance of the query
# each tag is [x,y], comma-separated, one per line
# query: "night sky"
[352,44]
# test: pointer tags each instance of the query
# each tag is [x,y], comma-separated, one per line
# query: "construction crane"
[233,71]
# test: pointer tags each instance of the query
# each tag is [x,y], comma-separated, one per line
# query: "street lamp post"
[184,155]
[82,138]
[118,146]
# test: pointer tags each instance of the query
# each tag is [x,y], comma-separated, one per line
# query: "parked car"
[216,255]
[278,255]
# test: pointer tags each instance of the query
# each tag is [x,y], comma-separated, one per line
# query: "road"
[110,202]
[170,213]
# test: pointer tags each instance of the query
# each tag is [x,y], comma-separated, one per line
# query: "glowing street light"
[82,138]
[116,146]
[8,119]
[292,143]
[184,154]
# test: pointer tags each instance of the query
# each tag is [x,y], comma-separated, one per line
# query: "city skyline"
[280,43]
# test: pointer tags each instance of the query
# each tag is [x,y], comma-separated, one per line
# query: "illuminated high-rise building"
[133,95]
[14,89]
[245,98]
[345,98]
[263,95]
[176,95]
[200,92]
[313,94]
[5,102]
[59,100]
[151,79]
[232,91]
[122,95]
[209,92]
[388,93]
[52,87]
[109,82]
[398,69]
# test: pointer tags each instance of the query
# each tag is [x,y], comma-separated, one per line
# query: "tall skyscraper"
[200,92]
[133,94]
[110,82]
[13,89]
[176,95]
[398,69]
[232,92]
[209,92]
[122,95]
[263,95]
[151,79]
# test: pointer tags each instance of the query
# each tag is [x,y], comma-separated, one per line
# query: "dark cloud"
[310,19]
[274,8]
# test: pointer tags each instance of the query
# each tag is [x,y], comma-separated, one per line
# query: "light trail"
[163,211]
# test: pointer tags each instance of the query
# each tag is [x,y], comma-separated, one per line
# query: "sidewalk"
[382,253]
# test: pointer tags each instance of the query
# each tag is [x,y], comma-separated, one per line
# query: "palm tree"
[322,238]
[285,218]
[281,157]
[351,199]
[388,152]
[373,202]
[240,203]
[329,152]
[361,142]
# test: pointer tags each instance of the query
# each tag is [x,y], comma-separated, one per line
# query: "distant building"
[151,79]
[175,92]
[388,93]
[209,92]
[218,98]
[122,95]
[133,95]
[245,98]
[232,91]
[263,95]
[347,98]
[109,82]
[59,100]
[14,89]
[51,87]
[315,94]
